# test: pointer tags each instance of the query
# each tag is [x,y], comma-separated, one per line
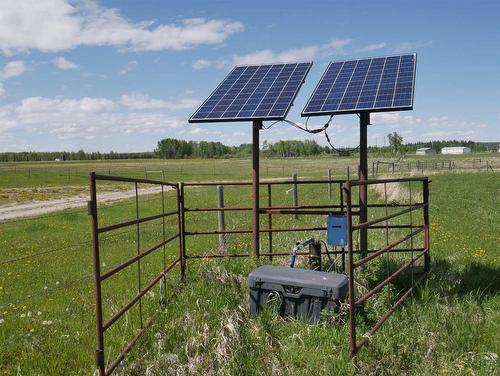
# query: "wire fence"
[385,167]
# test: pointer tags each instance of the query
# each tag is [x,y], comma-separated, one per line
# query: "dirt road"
[37,208]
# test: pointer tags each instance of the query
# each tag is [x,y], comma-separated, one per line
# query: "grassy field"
[28,181]
[47,325]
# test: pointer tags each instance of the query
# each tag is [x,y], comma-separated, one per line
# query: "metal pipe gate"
[357,258]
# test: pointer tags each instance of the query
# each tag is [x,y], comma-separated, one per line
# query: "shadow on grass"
[444,280]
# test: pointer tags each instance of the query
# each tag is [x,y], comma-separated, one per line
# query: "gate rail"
[100,277]
[355,301]
[344,207]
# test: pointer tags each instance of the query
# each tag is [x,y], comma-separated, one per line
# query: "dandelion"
[22,315]
[57,283]
[47,322]
[45,287]
[28,314]
[2,321]
[39,313]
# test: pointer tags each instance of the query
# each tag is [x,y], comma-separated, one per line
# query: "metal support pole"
[329,185]
[182,229]
[222,220]
[257,126]
[92,206]
[138,233]
[270,221]
[364,120]
[295,194]
[346,188]
[427,257]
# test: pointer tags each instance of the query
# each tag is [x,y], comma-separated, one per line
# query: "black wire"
[339,151]
[327,250]
[319,130]
[306,129]
[269,126]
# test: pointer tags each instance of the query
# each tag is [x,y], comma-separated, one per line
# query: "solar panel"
[376,84]
[264,92]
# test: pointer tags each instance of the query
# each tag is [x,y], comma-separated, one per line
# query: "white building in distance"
[425,151]
[455,150]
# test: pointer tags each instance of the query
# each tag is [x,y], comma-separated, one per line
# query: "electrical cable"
[323,129]
[269,126]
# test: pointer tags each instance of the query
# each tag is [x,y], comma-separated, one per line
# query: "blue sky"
[120,75]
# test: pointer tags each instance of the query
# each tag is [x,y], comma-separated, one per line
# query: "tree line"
[171,148]
[80,155]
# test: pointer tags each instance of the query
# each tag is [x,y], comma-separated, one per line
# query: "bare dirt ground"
[37,208]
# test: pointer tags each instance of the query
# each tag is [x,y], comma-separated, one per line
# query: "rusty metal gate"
[142,287]
[353,256]
[373,224]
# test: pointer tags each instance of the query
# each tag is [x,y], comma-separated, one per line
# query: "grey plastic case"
[303,293]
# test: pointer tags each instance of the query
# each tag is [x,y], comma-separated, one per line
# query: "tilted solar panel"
[377,84]
[256,92]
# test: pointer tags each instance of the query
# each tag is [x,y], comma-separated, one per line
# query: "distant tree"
[396,142]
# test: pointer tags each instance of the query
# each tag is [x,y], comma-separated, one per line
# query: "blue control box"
[336,230]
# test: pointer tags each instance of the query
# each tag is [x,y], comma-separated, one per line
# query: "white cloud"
[11,69]
[412,46]
[201,64]
[306,53]
[130,65]
[372,47]
[63,63]
[138,101]
[336,46]
[337,43]
[269,56]
[58,25]
[83,119]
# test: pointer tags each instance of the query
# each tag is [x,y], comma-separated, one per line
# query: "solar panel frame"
[284,104]
[392,107]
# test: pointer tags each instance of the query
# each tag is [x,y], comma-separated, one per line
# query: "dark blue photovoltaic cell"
[378,84]
[254,92]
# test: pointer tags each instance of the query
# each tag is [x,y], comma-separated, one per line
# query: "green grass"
[449,327]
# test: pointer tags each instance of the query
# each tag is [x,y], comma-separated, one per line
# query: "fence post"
[270,221]
[182,229]
[427,243]
[329,184]
[346,188]
[92,207]
[222,221]
[295,194]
